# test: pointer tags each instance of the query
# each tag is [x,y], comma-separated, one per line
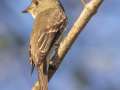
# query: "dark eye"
[36,2]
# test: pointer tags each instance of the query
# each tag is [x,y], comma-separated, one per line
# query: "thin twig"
[83,2]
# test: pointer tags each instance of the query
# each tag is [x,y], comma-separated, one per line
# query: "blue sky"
[93,63]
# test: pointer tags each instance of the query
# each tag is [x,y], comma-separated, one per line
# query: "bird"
[50,21]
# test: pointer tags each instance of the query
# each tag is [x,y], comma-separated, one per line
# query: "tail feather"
[42,76]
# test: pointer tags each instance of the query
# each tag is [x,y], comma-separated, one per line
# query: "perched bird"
[50,22]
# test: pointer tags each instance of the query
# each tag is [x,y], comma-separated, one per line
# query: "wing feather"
[47,28]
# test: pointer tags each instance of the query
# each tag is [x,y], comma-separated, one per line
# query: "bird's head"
[38,6]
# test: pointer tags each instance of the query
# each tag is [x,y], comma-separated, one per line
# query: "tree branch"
[89,10]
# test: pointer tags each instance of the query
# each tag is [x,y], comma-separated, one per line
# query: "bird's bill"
[25,11]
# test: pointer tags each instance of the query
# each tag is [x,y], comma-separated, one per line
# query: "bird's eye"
[36,2]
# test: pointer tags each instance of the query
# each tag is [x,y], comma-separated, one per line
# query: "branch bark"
[89,10]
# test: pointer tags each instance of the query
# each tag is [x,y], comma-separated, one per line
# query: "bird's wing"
[47,28]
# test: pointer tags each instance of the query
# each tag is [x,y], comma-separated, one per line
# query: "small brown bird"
[50,22]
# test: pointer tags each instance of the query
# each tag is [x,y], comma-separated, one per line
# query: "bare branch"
[89,10]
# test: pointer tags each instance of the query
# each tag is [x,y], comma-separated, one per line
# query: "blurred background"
[93,63]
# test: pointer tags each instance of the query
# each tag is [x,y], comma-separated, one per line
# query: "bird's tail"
[42,76]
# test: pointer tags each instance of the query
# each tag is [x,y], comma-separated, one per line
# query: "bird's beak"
[25,11]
